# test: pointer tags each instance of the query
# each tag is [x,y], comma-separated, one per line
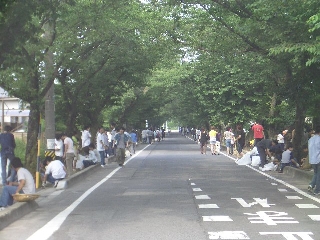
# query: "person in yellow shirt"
[213,139]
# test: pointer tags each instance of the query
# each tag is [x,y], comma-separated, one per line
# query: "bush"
[20,150]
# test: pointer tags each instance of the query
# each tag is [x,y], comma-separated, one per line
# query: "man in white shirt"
[55,171]
[68,152]
[58,147]
[25,184]
[86,137]
[101,145]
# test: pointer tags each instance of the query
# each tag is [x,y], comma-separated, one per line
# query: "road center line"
[54,224]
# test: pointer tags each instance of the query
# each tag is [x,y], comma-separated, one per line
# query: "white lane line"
[205,197]
[208,206]
[294,197]
[54,224]
[286,184]
[228,235]
[216,219]
[282,190]
[306,206]
[315,217]
[197,189]
[279,181]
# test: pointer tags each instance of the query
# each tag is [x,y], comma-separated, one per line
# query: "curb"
[20,209]
[15,212]
[298,173]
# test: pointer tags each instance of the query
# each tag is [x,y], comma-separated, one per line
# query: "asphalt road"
[169,191]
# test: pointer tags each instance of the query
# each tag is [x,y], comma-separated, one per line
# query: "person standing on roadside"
[121,141]
[258,134]
[101,145]
[8,145]
[58,147]
[86,137]
[280,138]
[314,159]
[68,154]
[213,139]
[113,133]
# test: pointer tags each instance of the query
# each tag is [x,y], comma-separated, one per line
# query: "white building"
[13,112]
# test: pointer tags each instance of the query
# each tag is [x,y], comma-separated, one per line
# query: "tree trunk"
[272,128]
[32,138]
[299,130]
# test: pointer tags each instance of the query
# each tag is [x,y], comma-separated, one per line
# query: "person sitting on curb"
[287,158]
[55,171]
[92,156]
[24,185]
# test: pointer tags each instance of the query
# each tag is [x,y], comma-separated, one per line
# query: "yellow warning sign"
[49,153]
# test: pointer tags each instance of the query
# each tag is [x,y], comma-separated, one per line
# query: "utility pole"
[50,128]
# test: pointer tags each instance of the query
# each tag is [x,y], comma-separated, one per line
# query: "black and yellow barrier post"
[38,156]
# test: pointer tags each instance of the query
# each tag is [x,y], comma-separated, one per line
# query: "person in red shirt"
[258,134]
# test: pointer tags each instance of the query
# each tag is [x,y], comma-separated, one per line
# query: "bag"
[255,161]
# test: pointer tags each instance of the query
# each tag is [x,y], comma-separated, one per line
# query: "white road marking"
[228,235]
[315,217]
[216,219]
[279,181]
[291,235]
[204,197]
[287,185]
[208,206]
[306,206]
[282,190]
[197,189]
[274,184]
[294,197]
[54,224]
[193,184]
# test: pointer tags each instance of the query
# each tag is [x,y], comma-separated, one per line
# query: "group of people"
[149,135]
[20,179]
[70,153]
[283,154]
[214,137]
[88,152]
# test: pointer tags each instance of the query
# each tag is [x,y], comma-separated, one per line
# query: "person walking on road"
[228,136]
[314,159]
[213,139]
[8,145]
[134,140]
[121,143]
[203,141]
